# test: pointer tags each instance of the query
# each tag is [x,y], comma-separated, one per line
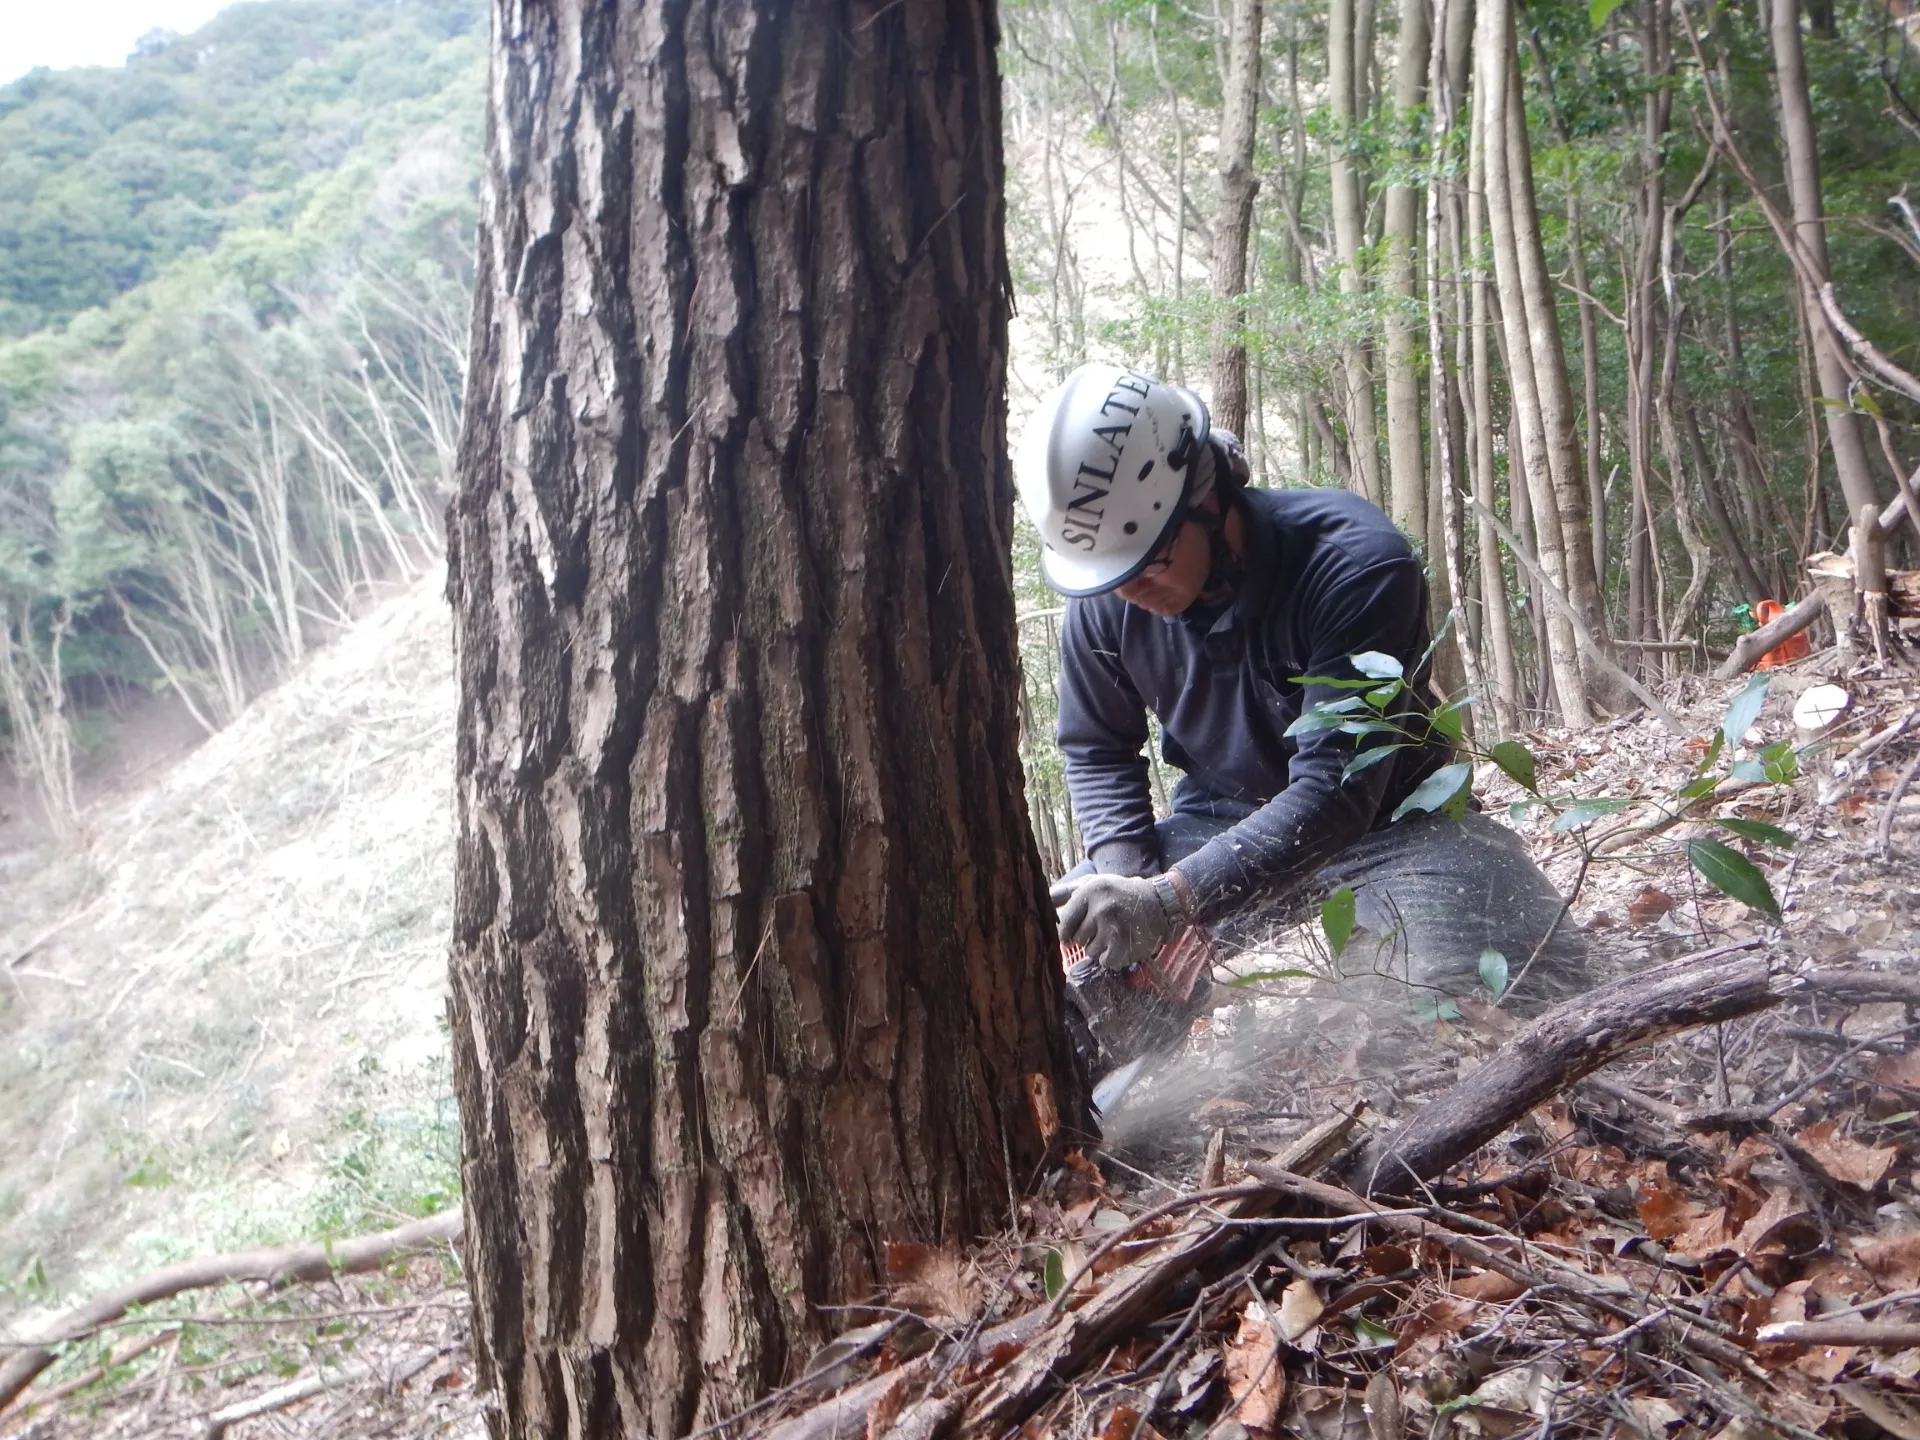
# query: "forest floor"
[225,1029]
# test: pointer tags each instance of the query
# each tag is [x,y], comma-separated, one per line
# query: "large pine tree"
[751,952]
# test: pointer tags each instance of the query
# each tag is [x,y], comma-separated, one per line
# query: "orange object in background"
[1794,647]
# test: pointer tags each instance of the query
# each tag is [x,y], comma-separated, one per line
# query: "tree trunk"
[1345,65]
[1407,481]
[1803,185]
[1496,619]
[1495,63]
[1539,291]
[751,945]
[1234,221]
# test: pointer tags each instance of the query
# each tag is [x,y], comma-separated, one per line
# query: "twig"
[1748,1117]
[1893,803]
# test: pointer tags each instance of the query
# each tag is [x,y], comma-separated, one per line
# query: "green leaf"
[1378,665]
[1450,719]
[1863,401]
[1258,976]
[1320,717]
[1744,709]
[1760,832]
[1371,727]
[1373,1335]
[1383,697]
[1366,759]
[1335,682]
[1336,918]
[1749,770]
[1427,1010]
[1727,870]
[1780,762]
[1437,789]
[1698,786]
[1582,813]
[1493,971]
[1599,10]
[1517,761]
[1718,744]
[1054,1273]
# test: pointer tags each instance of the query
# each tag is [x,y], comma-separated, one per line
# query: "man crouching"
[1209,604]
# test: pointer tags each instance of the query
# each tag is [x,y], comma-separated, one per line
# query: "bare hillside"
[222,1019]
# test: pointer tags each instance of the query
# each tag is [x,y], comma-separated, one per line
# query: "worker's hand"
[1120,919]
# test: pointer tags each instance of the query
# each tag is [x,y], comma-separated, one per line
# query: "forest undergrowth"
[1608,1264]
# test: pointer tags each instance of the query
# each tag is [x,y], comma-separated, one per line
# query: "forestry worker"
[1204,602]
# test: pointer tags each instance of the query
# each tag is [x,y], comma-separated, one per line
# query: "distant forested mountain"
[233,292]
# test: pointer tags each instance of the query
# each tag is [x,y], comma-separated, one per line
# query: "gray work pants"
[1430,895]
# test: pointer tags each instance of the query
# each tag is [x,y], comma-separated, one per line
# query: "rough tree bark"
[751,948]
[1234,222]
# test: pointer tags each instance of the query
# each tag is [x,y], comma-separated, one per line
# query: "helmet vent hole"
[1146,469]
[1130,526]
[1156,504]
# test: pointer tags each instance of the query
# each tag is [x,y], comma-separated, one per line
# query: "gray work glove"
[1120,919]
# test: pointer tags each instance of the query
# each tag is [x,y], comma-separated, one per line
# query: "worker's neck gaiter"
[1225,571]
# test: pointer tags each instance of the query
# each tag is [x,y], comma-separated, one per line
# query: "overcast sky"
[89,32]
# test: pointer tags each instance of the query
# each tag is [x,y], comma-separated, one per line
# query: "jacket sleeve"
[1102,733]
[1319,814]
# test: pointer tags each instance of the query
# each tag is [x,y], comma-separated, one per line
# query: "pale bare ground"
[222,1017]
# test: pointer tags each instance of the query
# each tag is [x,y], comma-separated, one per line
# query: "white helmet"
[1104,469]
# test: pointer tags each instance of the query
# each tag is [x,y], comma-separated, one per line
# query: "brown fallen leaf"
[1895,1414]
[1824,1362]
[1490,1286]
[1300,1309]
[1423,1337]
[1648,906]
[1123,1423]
[1845,1158]
[1256,1380]
[1893,1260]
[1663,1210]
[932,1281]
[1901,1071]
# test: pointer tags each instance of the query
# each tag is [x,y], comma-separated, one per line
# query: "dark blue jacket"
[1326,576]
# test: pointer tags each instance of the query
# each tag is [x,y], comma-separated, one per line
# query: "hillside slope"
[222,1022]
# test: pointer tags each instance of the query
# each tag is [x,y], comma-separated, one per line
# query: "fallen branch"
[294,1391]
[1566,1044]
[1881,1334]
[1755,643]
[274,1267]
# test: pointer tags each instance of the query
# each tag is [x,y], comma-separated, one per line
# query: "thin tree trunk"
[1802,148]
[1344,66]
[1233,221]
[752,954]
[1495,63]
[1495,617]
[1540,294]
[1406,471]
